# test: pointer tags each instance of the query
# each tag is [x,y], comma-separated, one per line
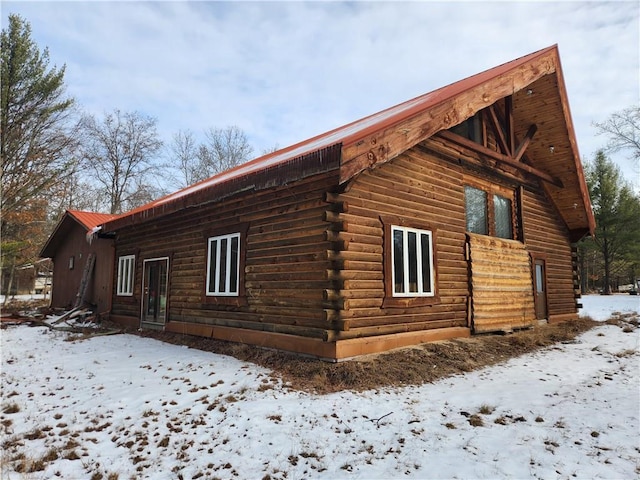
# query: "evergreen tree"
[36,143]
[617,213]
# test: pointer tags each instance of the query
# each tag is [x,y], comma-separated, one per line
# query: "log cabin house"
[450,214]
[67,246]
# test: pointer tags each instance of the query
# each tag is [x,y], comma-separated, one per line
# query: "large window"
[488,214]
[223,265]
[126,270]
[412,261]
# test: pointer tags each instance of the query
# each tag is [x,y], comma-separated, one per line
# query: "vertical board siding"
[415,187]
[66,282]
[548,237]
[286,260]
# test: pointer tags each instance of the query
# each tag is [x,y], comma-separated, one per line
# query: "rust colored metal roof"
[326,151]
[87,220]
[90,220]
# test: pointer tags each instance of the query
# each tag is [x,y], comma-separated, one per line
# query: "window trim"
[228,278]
[125,288]
[213,299]
[392,300]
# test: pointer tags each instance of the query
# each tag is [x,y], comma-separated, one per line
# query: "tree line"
[53,157]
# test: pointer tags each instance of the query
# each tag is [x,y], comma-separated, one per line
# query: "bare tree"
[267,151]
[183,151]
[119,152]
[228,147]
[73,192]
[623,130]
[224,148]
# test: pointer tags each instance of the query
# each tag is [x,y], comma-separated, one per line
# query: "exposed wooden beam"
[508,122]
[452,137]
[525,143]
[497,129]
[393,136]
[474,161]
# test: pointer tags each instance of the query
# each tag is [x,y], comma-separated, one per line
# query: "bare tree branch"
[120,152]
[623,130]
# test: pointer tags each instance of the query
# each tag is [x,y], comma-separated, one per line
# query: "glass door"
[154,298]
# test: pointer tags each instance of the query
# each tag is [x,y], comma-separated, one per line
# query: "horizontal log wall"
[287,264]
[548,237]
[416,187]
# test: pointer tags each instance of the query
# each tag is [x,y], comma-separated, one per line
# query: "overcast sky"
[286,71]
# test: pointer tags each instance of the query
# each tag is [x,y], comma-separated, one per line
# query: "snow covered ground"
[120,407]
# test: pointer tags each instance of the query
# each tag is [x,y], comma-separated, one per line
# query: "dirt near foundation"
[407,366]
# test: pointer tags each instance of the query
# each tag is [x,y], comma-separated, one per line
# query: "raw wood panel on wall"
[501,284]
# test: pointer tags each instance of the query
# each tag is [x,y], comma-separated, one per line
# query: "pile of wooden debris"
[77,320]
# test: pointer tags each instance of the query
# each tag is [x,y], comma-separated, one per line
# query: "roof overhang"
[86,220]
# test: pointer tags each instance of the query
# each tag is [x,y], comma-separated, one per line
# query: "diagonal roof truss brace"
[494,123]
[525,142]
[501,157]
[509,155]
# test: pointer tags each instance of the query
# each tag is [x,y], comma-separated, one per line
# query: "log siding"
[285,272]
[415,190]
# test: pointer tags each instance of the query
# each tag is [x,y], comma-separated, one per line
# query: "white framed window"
[223,265]
[126,271]
[412,262]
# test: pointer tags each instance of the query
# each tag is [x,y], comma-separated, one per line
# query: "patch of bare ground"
[408,366]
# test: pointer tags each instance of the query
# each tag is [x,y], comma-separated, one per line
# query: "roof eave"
[584,189]
[319,161]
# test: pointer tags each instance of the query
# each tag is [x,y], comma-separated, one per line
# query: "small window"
[470,129]
[475,201]
[126,270]
[502,212]
[412,262]
[223,265]
[72,262]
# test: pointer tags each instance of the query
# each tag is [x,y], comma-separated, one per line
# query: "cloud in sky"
[287,71]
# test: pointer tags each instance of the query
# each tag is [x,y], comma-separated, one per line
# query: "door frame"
[535,261]
[143,295]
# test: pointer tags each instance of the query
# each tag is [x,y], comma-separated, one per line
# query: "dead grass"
[409,366]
